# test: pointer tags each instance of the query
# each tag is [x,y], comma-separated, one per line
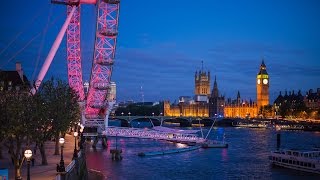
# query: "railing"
[77,169]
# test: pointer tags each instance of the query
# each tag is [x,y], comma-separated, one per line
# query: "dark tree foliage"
[140,110]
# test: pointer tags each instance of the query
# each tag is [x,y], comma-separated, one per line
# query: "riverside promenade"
[38,171]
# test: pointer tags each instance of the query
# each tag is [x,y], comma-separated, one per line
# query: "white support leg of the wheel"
[53,51]
[106,120]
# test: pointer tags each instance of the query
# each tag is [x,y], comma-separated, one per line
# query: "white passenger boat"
[308,161]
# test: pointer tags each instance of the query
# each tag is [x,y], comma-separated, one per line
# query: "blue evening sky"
[162,43]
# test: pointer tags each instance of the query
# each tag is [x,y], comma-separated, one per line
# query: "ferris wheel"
[103,55]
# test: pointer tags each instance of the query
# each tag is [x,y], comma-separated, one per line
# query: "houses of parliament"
[206,103]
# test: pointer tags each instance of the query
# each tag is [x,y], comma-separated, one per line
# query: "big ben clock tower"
[262,86]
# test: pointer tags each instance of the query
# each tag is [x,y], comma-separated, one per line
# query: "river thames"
[246,157]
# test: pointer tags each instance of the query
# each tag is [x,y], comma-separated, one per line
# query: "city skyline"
[160,46]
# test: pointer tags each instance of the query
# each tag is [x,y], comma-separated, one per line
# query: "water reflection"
[246,157]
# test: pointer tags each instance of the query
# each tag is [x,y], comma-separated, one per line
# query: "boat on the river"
[214,144]
[308,161]
[250,125]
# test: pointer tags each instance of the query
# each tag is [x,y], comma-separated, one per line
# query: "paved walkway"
[38,171]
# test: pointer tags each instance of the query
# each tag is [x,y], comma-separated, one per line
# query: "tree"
[266,111]
[17,108]
[62,107]
[42,124]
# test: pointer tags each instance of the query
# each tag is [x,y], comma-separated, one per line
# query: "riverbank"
[38,171]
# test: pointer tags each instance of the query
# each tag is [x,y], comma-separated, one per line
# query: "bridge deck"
[152,134]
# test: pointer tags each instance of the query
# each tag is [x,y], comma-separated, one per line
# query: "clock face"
[265,81]
[258,81]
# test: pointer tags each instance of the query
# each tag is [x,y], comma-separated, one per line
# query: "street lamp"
[129,113]
[161,114]
[61,168]
[75,155]
[28,155]
[152,113]
[122,113]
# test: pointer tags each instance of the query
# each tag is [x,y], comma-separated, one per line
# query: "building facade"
[262,86]
[202,83]
[312,99]
[13,80]
[211,104]
[296,105]
[188,107]
[216,102]
[240,108]
[246,109]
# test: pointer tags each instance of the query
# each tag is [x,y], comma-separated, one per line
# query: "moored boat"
[308,161]
[214,144]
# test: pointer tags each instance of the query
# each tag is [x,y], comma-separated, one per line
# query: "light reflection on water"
[246,157]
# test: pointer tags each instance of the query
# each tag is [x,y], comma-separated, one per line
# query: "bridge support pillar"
[116,154]
[104,141]
[95,141]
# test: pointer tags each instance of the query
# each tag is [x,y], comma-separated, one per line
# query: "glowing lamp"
[61,141]
[28,154]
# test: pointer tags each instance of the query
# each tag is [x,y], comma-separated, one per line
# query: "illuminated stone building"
[262,86]
[240,108]
[206,103]
[216,102]
[197,107]
[245,109]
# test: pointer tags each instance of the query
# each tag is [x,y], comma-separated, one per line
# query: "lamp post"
[28,155]
[81,138]
[61,167]
[75,155]
[122,113]
[152,113]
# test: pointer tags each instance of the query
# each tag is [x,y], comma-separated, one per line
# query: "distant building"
[210,104]
[113,92]
[312,99]
[240,108]
[296,105]
[262,86]
[188,107]
[202,86]
[290,104]
[245,109]
[13,80]
[216,102]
